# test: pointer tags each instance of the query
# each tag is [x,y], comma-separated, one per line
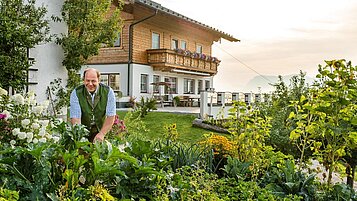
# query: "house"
[156,45]
[159,45]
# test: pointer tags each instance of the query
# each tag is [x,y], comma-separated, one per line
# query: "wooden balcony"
[182,62]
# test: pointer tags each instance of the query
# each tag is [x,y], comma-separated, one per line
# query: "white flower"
[3,92]
[43,140]
[42,132]
[44,123]
[37,109]
[21,135]
[25,122]
[35,126]
[18,98]
[82,179]
[55,139]
[12,142]
[29,135]
[15,131]
[35,140]
[7,113]
[83,139]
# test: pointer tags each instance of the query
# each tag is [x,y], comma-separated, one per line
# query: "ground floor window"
[200,86]
[156,79]
[208,85]
[189,86]
[172,85]
[144,83]
[112,80]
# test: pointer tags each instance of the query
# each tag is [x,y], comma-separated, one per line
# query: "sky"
[277,37]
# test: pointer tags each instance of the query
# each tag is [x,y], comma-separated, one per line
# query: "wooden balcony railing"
[168,60]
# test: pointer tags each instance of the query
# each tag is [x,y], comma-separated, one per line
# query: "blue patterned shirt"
[75,108]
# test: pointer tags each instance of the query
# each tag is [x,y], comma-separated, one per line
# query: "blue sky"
[278,37]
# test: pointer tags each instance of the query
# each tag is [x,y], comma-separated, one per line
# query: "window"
[199,49]
[189,86]
[174,44]
[155,40]
[183,45]
[208,85]
[172,88]
[156,79]
[112,80]
[117,42]
[200,86]
[144,83]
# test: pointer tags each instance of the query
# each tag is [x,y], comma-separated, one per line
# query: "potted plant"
[176,101]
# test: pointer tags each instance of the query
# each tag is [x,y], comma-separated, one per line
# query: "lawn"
[155,122]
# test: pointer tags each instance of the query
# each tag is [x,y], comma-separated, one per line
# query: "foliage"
[145,106]
[22,26]
[285,180]
[90,25]
[8,195]
[171,132]
[249,131]
[278,107]
[326,122]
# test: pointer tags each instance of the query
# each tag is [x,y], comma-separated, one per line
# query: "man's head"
[91,78]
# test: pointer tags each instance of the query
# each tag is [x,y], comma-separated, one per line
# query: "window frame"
[118,38]
[156,88]
[116,91]
[144,84]
[183,42]
[153,43]
[199,48]
[172,84]
[174,43]
[189,86]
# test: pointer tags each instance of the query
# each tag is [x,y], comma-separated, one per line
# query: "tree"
[22,26]
[331,111]
[91,23]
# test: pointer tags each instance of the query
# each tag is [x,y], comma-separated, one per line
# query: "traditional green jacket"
[93,114]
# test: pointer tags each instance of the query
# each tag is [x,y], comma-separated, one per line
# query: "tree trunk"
[350,171]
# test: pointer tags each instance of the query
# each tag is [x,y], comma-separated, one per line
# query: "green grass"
[155,122]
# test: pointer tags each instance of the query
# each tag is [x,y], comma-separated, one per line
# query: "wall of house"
[49,56]
[142,40]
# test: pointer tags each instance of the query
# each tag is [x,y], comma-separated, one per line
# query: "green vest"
[93,113]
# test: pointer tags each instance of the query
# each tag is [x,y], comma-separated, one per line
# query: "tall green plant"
[22,26]
[91,23]
[333,105]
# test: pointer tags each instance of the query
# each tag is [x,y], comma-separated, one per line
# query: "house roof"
[156,6]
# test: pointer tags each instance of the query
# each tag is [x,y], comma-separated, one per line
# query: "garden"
[266,155]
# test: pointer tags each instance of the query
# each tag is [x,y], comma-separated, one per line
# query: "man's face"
[91,81]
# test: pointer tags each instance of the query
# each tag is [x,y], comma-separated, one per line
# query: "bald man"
[93,105]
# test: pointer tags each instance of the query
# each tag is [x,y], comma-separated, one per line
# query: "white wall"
[49,56]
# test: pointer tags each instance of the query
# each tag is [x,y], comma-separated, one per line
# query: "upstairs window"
[199,49]
[117,42]
[174,44]
[183,45]
[155,41]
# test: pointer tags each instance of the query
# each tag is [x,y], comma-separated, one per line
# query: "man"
[93,105]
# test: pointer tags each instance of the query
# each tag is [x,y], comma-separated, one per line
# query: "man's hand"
[99,137]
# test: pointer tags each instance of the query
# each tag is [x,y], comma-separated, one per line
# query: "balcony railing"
[183,61]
